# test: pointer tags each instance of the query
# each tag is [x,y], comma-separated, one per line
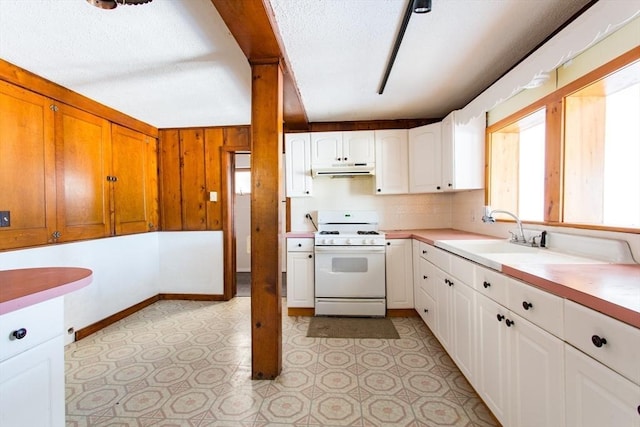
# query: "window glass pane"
[602,151]
[243,181]
[517,167]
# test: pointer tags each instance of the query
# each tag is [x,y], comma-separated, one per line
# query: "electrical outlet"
[5,219]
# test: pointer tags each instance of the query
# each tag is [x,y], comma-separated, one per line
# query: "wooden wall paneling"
[266,154]
[213,141]
[83,163]
[170,180]
[368,125]
[27,167]
[503,193]
[228,225]
[25,79]
[130,168]
[194,197]
[553,162]
[238,138]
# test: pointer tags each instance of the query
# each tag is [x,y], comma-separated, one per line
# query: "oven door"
[350,272]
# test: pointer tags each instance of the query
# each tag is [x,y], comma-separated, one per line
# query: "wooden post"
[266,278]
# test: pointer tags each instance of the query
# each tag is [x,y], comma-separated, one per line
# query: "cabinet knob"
[500,317]
[338,158]
[598,341]
[379,190]
[450,185]
[509,322]
[486,284]
[425,277]
[306,192]
[310,256]
[424,252]
[299,245]
[426,310]
[345,159]
[388,243]
[526,305]
[19,333]
[438,187]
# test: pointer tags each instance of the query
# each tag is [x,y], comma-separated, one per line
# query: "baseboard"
[297,311]
[101,324]
[402,312]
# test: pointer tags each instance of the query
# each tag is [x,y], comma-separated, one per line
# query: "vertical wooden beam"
[266,155]
[553,163]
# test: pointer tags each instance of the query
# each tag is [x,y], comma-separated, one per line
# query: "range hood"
[355,169]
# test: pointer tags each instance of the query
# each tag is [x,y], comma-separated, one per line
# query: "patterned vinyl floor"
[186,363]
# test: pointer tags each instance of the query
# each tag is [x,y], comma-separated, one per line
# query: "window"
[574,156]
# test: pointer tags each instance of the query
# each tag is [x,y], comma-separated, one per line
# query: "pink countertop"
[612,289]
[24,287]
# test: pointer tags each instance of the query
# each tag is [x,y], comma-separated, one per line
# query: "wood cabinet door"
[425,159]
[27,167]
[83,159]
[131,187]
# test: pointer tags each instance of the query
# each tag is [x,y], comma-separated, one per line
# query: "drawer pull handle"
[500,317]
[598,341]
[509,322]
[526,305]
[486,284]
[19,334]
[425,277]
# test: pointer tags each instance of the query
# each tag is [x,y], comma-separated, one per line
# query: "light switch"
[213,196]
[5,219]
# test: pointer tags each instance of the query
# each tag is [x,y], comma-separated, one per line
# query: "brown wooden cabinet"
[67,175]
[27,167]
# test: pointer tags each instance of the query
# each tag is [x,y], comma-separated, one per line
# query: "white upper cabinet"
[331,148]
[392,148]
[425,159]
[298,164]
[462,153]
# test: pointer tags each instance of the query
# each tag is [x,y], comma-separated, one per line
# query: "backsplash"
[397,212]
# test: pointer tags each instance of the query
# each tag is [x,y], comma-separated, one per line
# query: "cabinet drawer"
[41,321]
[426,308]
[299,245]
[537,306]
[491,284]
[427,277]
[588,330]
[435,256]
[462,269]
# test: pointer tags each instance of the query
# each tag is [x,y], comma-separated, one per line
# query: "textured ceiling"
[173,63]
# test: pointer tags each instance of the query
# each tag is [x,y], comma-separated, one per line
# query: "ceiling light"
[112,4]
[422,6]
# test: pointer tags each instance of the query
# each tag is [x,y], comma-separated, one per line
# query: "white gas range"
[349,264]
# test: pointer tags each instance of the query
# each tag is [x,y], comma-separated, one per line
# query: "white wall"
[242,218]
[129,269]
[396,211]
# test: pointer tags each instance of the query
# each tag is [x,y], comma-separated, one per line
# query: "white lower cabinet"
[399,272]
[300,273]
[32,366]
[596,395]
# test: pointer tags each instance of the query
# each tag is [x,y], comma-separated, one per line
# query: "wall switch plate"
[213,196]
[5,219]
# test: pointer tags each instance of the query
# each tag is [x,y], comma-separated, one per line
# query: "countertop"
[24,287]
[612,289]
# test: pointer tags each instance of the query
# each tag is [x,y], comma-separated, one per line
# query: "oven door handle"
[350,249]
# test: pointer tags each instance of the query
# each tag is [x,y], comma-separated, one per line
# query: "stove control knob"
[325,241]
[332,241]
[364,241]
[349,241]
[372,241]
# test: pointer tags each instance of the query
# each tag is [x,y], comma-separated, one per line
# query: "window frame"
[554,143]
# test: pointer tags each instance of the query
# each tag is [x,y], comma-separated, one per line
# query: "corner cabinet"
[462,153]
[300,273]
[399,267]
[32,366]
[298,165]
[392,151]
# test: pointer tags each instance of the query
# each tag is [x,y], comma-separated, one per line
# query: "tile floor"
[187,363]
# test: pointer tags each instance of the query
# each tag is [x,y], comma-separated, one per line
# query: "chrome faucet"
[488,217]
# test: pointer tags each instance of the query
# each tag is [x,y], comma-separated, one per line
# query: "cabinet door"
[596,395]
[399,268]
[358,147]
[448,141]
[83,157]
[443,295]
[537,376]
[300,279]
[464,157]
[493,360]
[425,159]
[28,152]
[32,387]
[131,190]
[392,176]
[463,328]
[298,164]
[326,148]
